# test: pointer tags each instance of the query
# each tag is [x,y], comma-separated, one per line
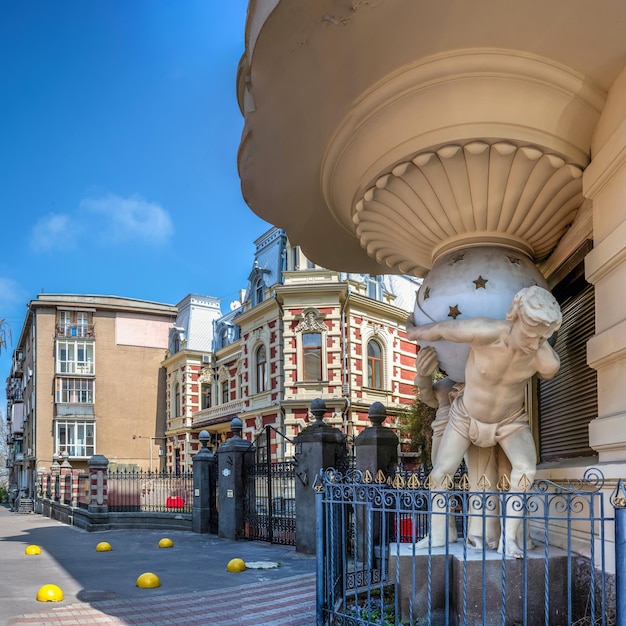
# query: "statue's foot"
[511,549]
[479,543]
[428,542]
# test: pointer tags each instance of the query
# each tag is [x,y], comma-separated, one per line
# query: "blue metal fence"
[372,570]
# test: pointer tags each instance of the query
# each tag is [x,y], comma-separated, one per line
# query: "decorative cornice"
[471,194]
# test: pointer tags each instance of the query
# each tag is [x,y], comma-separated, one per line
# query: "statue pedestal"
[474,578]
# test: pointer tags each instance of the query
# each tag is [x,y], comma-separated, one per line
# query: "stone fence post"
[204,511]
[55,471]
[231,460]
[376,449]
[65,493]
[98,487]
[318,447]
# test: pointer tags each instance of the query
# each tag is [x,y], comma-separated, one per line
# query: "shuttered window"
[569,402]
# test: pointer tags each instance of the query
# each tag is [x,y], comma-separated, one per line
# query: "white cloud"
[11,295]
[107,219]
[131,219]
[54,232]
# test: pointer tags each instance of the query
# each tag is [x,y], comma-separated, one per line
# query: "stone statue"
[503,356]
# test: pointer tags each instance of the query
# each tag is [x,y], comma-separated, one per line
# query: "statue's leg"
[520,450]
[483,527]
[452,447]
[504,468]
[436,440]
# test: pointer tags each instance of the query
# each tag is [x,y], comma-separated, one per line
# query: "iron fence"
[84,493]
[373,570]
[150,491]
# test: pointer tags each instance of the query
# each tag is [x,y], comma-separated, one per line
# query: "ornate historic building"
[300,332]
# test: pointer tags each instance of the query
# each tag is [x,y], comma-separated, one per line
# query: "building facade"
[478,127]
[300,332]
[87,379]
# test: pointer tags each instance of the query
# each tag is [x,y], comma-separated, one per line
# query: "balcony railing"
[215,413]
[75,330]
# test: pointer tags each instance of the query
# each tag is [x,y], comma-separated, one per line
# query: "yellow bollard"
[148,580]
[236,565]
[49,593]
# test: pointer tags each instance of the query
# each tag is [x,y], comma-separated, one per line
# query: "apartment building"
[87,379]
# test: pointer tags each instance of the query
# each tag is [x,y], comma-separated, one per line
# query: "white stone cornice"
[607,347]
[609,160]
[607,255]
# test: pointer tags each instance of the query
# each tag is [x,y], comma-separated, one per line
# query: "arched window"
[261,369]
[259,289]
[225,337]
[177,405]
[312,356]
[374,365]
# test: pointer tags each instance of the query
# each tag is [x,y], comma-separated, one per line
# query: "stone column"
[204,512]
[65,471]
[604,182]
[376,449]
[55,469]
[231,460]
[98,488]
[318,447]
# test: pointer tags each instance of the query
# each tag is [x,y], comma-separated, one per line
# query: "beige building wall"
[129,339]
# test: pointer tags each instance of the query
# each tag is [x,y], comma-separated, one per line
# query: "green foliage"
[415,424]
[4,494]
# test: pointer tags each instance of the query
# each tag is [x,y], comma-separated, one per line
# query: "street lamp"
[151,440]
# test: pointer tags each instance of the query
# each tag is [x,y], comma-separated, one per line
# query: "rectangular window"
[75,357]
[76,438]
[65,321]
[82,324]
[312,356]
[74,391]
[205,396]
[225,392]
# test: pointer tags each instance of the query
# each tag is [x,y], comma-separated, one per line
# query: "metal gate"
[270,494]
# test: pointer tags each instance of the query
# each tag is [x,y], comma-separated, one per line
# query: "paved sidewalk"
[196,589]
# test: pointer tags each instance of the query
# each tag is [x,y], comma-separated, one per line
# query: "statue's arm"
[426,363]
[548,362]
[473,330]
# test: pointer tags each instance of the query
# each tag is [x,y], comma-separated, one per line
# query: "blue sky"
[119,130]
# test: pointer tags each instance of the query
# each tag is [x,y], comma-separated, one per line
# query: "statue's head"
[535,306]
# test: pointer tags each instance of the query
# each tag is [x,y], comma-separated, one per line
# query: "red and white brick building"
[301,332]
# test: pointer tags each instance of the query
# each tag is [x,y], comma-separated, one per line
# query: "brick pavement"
[291,602]
[196,588]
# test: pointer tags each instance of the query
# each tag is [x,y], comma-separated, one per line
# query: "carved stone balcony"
[218,414]
[473,128]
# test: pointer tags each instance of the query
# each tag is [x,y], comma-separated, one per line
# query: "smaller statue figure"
[503,356]
[481,463]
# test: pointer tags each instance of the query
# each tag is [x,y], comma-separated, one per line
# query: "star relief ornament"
[471,282]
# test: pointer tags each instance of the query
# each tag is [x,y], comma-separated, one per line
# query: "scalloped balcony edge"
[355,156]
